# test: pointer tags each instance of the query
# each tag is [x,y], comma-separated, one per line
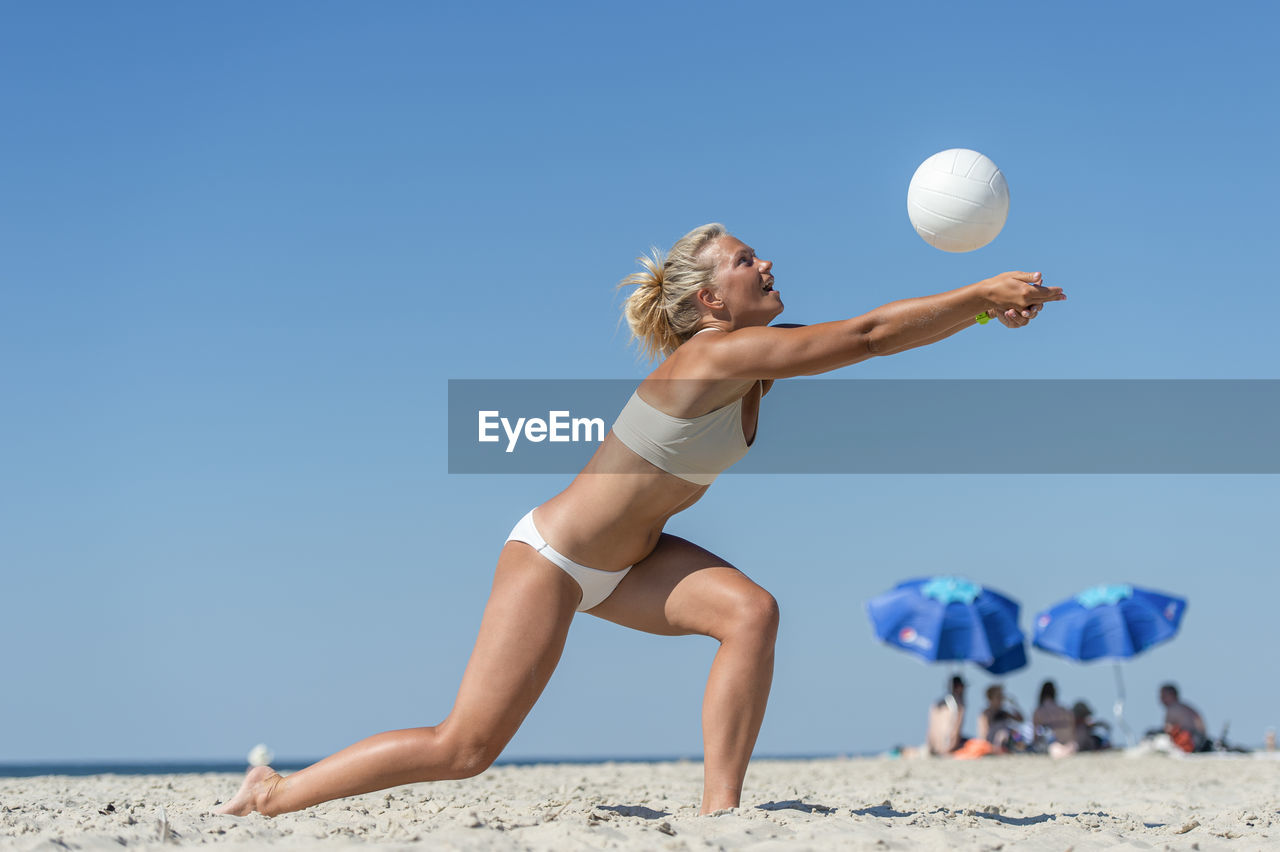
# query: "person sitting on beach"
[1087,733]
[1090,734]
[1052,721]
[946,719]
[1182,722]
[997,721]
[599,545]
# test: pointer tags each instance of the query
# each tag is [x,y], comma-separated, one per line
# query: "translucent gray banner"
[878,426]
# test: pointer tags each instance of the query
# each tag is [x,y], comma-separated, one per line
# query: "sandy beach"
[1109,801]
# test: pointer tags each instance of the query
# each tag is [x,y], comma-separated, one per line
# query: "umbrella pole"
[1119,707]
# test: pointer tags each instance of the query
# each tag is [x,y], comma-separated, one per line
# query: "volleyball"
[958,200]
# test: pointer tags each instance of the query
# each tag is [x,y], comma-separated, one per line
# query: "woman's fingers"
[1035,279]
[1018,296]
[1039,294]
[1012,319]
[1015,318]
[1023,289]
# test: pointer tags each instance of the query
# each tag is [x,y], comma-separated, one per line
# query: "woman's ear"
[710,298]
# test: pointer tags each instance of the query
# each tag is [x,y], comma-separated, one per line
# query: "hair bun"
[660,311]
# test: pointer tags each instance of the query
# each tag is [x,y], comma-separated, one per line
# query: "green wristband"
[983,318]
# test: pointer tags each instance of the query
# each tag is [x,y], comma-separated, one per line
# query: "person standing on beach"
[599,546]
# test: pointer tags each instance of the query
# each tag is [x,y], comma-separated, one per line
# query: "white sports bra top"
[696,449]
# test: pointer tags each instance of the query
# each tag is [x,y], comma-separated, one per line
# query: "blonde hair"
[661,311]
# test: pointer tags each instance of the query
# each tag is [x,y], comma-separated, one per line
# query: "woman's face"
[744,283]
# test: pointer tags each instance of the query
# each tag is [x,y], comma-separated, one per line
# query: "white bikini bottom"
[596,585]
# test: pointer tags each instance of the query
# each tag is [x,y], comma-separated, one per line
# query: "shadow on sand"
[886,811]
[633,811]
[795,805]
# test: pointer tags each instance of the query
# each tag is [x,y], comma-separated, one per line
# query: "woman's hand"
[1013,318]
[1016,297]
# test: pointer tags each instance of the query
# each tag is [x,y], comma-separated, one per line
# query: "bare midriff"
[612,514]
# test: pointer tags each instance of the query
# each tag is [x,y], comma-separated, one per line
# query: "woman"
[599,547]
[1053,722]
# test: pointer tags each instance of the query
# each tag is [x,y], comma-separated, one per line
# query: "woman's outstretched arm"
[1012,318]
[777,353]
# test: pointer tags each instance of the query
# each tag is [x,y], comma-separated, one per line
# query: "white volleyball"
[958,200]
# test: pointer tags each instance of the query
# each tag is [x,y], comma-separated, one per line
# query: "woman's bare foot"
[258,784]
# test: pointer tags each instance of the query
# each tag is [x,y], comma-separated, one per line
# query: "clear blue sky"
[243,247]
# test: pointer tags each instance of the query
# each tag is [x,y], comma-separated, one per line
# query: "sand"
[1109,801]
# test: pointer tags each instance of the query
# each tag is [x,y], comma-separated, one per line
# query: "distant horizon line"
[29,769]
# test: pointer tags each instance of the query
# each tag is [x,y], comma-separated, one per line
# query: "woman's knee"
[468,755]
[754,613]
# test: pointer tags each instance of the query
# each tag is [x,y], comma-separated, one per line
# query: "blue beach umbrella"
[950,618]
[1109,623]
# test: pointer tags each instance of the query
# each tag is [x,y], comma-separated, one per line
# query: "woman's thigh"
[681,588]
[521,637]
